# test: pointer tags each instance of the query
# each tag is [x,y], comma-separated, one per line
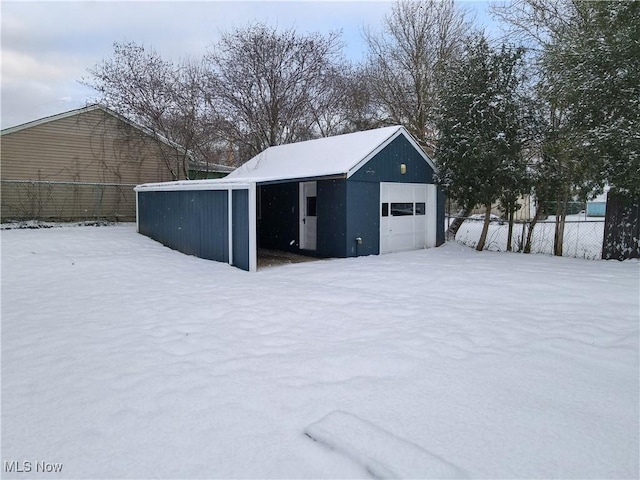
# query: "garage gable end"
[386,164]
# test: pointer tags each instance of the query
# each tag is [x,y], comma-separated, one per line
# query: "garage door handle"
[304,220]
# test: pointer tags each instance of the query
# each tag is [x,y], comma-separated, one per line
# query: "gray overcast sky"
[48,46]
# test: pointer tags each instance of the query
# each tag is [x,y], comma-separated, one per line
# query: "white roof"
[212,184]
[329,156]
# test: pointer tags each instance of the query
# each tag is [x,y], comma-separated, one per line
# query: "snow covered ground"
[124,359]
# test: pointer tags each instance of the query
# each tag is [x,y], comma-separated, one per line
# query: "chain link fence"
[66,201]
[582,238]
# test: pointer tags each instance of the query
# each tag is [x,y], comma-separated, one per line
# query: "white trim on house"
[253,237]
[230,224]
[217,184]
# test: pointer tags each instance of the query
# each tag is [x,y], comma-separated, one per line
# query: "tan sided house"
[83,164]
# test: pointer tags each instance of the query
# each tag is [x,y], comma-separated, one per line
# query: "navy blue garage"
[362,193]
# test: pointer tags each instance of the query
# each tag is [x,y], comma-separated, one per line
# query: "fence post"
[98,208]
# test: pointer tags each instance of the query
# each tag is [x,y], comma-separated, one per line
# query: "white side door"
[308,215]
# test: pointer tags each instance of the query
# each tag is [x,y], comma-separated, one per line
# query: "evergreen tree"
[596,60]
[597,63]
[479,152]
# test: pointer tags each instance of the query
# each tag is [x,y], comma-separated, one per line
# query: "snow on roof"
[210,167]
[338,155]
[210,184]
[329,156]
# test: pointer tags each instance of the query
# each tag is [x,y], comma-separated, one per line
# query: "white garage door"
[407,216]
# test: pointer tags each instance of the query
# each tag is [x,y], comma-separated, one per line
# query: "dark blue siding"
[363,218]
[189,239]
[440,218]
[278,226]
[147,218]
[385,166]
[192,222]
[240,228]
[214,221]
[332,218]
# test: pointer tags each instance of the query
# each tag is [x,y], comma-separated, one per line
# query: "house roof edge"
[90,108]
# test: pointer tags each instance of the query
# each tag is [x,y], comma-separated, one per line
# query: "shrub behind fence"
[582,238]
[66,201]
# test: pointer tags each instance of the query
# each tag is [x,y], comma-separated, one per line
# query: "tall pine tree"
[597,61]
[479,152]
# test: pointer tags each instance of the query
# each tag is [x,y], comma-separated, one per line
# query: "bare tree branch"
[406,61]
[269,86]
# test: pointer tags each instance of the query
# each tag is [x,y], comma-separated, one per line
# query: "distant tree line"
[260,86]
[552,109]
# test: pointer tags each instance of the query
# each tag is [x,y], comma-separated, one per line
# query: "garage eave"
[302,179]
[193,185]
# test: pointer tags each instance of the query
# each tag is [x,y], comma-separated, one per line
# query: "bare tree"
[534,23]
[346,105]
[330,107]
[165,98]
[268,87]
[406,60]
